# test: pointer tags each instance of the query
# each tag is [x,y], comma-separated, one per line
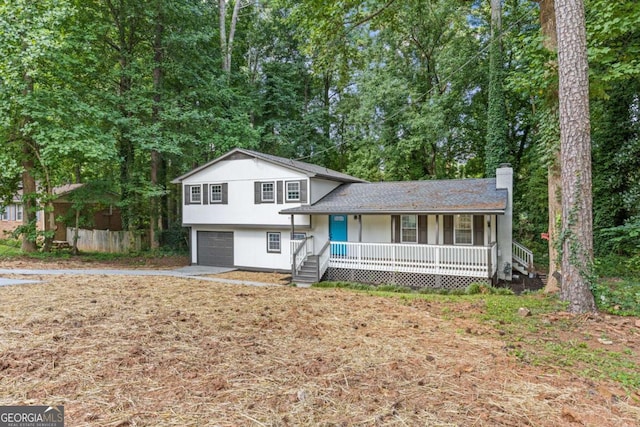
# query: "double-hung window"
[273,242]
[463,230]
[293,191]
[215,195]
[195,195]
[19,212]
[409,229]
[267,192]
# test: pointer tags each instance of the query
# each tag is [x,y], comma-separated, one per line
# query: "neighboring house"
[101,217]
[11,216]
[255,211]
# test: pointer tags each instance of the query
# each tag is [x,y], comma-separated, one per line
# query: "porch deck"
[437,260]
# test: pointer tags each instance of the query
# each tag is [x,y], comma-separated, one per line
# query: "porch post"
[293,258]
[437,229]
[293,227]
[489,265]
[359,228]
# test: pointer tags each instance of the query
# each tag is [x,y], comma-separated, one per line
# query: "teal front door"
[338,233]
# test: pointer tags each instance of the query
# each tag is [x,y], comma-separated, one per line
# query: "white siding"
[320,188]
[240,175]
[376,228]
[250,250]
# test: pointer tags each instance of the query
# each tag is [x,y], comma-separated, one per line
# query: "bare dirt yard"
[163,351]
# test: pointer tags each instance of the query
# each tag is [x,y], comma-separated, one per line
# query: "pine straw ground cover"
[145,351]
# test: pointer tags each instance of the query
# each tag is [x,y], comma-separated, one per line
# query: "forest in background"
[125,95]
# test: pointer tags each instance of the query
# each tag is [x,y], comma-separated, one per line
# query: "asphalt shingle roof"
[443,196]
[315,170]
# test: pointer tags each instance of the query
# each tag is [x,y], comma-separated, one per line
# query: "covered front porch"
[378,262]
[445,233]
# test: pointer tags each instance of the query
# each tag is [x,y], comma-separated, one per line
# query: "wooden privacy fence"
[109,241]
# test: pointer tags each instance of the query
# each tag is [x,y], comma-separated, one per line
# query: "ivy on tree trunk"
[575,153]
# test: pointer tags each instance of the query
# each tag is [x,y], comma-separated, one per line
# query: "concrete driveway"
[191,272]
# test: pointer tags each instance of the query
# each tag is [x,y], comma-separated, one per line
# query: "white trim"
[273,191]
[286,191]
[455,229]
[278,241]
[211,199]
[402,228]
[192,200]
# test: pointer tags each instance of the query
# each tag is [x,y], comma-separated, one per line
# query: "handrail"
[522,254]
[298,256]
[323,259]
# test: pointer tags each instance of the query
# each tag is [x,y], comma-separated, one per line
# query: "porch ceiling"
[426,197]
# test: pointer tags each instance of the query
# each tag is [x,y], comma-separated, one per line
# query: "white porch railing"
[468,261]
[300,249]
[522,255]
[323,260]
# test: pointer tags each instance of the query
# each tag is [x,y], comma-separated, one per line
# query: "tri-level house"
[255,211]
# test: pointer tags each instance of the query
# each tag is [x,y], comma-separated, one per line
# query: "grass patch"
[535,339]
[9,248]
[618,296]
[592,363]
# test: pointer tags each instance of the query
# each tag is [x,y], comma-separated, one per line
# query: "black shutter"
[303,191]
[187,194]
[395,228]
[478,230]
[225,193]
[447,228]
[422,229]
[279,192]
[205,194]
[257,193]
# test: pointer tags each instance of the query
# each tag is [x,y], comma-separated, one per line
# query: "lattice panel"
[412,280]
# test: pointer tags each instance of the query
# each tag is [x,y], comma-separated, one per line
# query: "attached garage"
[215,248]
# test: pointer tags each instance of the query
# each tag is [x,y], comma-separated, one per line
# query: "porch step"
[308,272]
[519,267]
[543,278]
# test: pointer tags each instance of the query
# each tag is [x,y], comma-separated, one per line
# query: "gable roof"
[441,196]
[307,168]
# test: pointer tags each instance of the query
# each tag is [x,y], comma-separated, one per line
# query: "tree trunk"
[155,222]
[226,41]
[29,217]
[29,190]
[575,154]
[222,24]
[74,250]
[496,147]
[554,191]
[555,211]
